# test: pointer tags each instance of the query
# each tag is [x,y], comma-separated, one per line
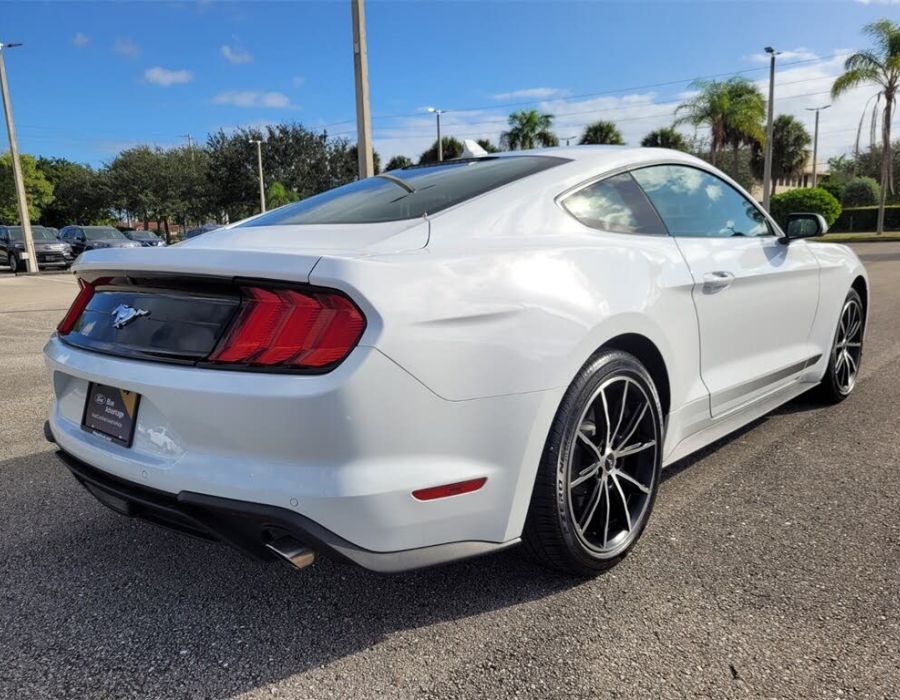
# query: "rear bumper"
[343,450]
[247,526]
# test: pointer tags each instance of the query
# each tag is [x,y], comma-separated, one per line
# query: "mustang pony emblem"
[124,314]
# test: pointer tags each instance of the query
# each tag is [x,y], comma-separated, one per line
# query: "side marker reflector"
[455,489]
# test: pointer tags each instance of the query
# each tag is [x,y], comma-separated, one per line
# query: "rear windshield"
[143,235]
[421,190]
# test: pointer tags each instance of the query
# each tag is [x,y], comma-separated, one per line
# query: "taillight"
[85,293]
[292,329]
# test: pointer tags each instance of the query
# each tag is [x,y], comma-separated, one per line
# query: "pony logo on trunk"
[124,314]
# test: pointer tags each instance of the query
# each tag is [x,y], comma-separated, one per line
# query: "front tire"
[846,351]
[599,473]
[13,262]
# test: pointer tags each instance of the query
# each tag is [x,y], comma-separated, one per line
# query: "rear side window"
[408,193]
[615,204]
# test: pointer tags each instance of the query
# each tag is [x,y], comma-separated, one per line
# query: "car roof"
[607,157]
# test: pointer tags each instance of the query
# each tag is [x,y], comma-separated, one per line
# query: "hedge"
[865,219]
[815,200]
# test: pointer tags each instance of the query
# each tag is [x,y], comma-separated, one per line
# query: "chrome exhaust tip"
[297,555]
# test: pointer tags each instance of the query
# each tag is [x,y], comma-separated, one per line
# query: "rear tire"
[599,473]
[846,352]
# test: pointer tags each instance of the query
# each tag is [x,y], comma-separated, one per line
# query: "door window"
[693,202]
[615,204]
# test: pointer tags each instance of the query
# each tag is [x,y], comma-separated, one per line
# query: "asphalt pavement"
[770,568]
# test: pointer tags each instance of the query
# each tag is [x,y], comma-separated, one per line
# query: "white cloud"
[124,46]
[797,88]
[253,98]
[798,54]
[165,77]
[537,93]
[235,56]
[80,40]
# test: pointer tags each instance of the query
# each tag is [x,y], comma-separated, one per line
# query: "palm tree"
[706,108]
[880,66]
[746,109]
[665,137]
[451,147]
[528,129]
[790,149]
[398,162]
[733,110]
[601,133]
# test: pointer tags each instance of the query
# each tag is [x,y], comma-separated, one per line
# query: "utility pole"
[816,141]
[22,200]
[262,189]
[440,144]
[363,109]
[568,138]
[767,169]
[190,140]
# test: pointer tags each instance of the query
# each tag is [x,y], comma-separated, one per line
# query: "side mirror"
[804,225]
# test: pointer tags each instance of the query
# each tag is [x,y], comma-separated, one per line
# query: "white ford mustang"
[448,360]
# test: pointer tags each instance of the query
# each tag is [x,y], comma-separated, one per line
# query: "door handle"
[717,281]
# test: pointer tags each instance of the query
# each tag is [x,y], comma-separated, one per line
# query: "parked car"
[148,239]
[205,228]
[448,360]
[83,238]
[49,250]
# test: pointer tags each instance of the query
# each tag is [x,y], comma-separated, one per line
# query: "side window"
[615,204]
[693,202]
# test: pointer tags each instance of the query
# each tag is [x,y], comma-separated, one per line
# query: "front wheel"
[599,474]
[846,351]
[13,262]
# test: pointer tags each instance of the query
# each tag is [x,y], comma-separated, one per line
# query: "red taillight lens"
[289,328]
[85,293]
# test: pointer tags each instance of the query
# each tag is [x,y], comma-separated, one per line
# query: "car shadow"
[114,589]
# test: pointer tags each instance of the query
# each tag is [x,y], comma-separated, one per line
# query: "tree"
[80,195]
[137,182]
[451,147]
[790,149]
[745,111]
[487,145]
[600,133]
[528,129]
[278,195]
[860,192]
[398,162]
[880,66]
[666,137]
[38,191]
[733,110]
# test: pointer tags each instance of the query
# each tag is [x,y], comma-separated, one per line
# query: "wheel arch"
[648,354]
[862,288]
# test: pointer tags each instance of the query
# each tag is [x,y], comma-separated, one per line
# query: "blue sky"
[93,78]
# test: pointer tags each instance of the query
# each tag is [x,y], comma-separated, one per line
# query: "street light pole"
[767,169]
[440,144]
[262,189]
[22,200]
[816,141]
[364,152]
